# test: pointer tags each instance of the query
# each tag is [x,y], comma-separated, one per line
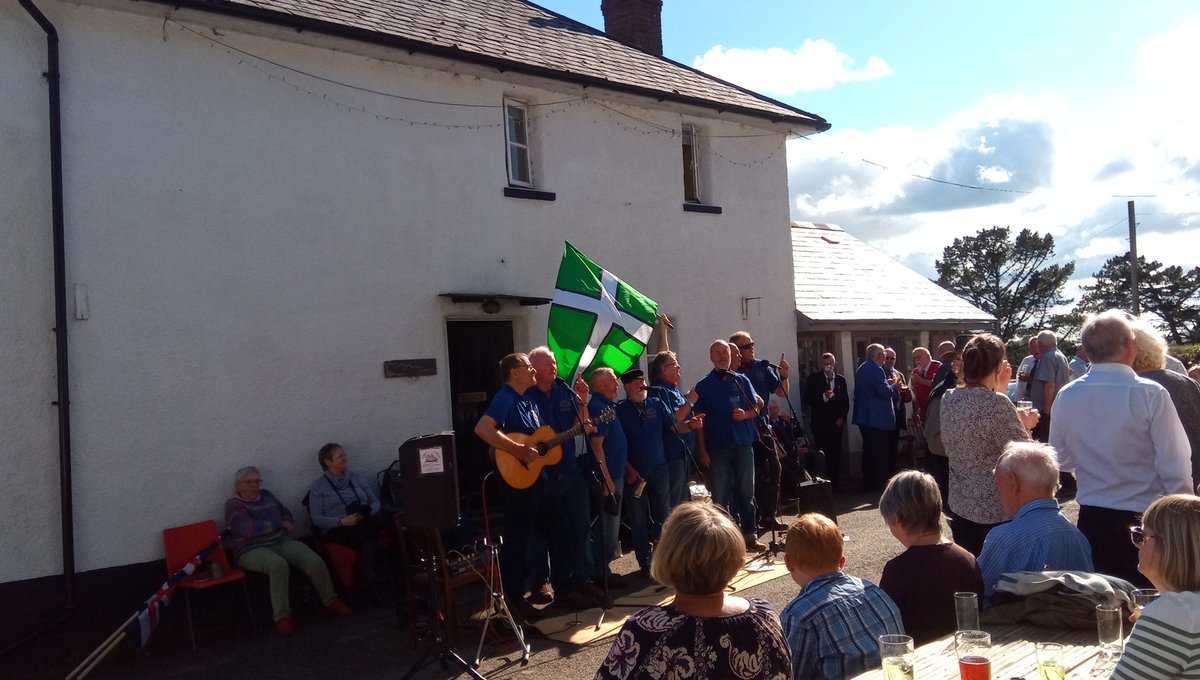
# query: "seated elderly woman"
[341,501]
[1163,641]
[261,540]
[922,580]
[342,504]
[705,632]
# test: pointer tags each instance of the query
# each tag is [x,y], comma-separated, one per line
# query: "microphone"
[562,382]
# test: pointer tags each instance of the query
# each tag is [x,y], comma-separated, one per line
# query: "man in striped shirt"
[1039,537]
[833,625]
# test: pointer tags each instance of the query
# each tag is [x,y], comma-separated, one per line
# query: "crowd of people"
[1114,421]
[1114,424]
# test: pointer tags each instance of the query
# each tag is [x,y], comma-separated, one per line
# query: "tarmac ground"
[368,644]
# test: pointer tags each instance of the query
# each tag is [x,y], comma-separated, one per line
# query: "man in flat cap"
[645,420]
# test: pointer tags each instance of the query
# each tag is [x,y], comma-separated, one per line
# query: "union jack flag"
[142,627]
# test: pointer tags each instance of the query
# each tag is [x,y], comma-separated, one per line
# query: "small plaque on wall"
[409,368]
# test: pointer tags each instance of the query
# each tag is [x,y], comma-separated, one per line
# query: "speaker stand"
[441,649]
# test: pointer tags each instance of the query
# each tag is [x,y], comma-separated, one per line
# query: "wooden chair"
[180,545]
[423,557]
[906,455]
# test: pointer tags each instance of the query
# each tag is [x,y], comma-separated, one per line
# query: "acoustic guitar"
[521,475]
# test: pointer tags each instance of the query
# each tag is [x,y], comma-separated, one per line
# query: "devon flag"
[596,319]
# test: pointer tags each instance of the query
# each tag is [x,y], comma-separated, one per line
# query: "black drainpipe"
[60,305]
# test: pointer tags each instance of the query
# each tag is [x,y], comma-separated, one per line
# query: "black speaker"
[429,481]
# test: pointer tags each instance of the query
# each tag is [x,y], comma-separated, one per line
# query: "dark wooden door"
[475,351]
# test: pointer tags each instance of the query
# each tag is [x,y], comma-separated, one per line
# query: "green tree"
[1169,293]
[1011,279]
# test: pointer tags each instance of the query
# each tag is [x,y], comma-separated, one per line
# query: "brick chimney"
[634,22]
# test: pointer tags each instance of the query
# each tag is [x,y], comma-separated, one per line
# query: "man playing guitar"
[512,411]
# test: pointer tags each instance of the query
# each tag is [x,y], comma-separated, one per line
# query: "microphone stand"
[497,606]
[606,603]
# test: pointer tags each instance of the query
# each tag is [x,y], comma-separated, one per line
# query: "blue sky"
[1073,102]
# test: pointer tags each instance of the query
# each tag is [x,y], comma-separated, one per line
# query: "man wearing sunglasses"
[767,379]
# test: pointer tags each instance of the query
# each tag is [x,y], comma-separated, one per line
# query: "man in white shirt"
[1121,436]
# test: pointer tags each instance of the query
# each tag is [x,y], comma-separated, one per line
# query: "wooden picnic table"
[1012,654]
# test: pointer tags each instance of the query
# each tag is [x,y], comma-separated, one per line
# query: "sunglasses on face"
[1138,535]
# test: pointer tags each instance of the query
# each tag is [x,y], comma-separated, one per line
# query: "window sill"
[531,194]
[701,208]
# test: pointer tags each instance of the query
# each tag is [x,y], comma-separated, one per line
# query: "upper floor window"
[516,138]
[691,169]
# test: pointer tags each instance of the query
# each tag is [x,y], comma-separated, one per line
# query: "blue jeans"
[604,534]
[732,477]
[677,470]
[646,514]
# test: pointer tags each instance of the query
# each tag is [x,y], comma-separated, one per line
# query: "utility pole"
[1133,261]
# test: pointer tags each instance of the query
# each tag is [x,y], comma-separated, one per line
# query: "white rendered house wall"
[253,253]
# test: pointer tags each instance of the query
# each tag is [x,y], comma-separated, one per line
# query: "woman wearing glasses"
[260,539]
[1165,638]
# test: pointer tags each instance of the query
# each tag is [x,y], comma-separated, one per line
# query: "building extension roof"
[514,35]
[842,281]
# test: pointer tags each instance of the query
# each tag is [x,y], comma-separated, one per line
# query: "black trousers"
[939,467]
[828,438]
[875,463]
[970,534]
[1112,551]
[1041,431]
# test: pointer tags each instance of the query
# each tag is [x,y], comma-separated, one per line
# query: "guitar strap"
[589,465]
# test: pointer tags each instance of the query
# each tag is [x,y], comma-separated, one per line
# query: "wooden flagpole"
[102,651]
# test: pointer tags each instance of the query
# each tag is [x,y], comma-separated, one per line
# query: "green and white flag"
[596,319]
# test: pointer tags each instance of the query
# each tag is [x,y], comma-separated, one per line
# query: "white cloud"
[1056,148]
[816,65]
[1101,247]
[877,199]
[994,175]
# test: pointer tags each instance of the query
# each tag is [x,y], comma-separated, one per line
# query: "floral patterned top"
[662,642]
[976,426]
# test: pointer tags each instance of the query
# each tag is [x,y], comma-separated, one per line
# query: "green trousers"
[276,561]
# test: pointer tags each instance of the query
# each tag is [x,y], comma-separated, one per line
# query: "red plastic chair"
[181,544]
[344,561]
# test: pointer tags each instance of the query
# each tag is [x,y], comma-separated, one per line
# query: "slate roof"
[512,35]
[840,279]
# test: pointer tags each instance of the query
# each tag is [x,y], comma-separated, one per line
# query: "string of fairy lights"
[309,84]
